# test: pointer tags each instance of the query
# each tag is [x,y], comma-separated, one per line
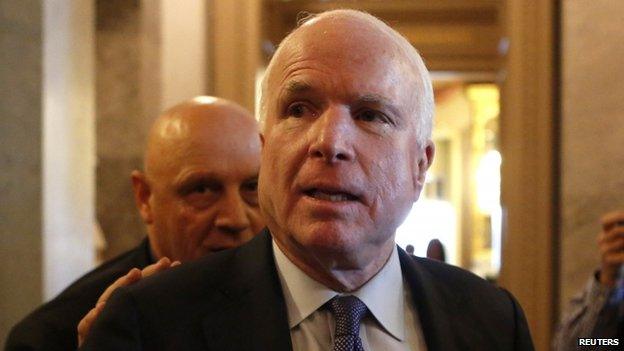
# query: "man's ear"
[261,139]
[142,194]
[425,159]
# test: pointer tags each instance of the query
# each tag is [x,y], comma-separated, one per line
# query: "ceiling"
[451,35]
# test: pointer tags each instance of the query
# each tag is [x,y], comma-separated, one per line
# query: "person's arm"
[583,311]
[611,244]
[130,278]
[117,326]
[522,335]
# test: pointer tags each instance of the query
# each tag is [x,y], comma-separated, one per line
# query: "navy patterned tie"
[348,311]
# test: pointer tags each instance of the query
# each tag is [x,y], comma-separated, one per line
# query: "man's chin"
[328,238]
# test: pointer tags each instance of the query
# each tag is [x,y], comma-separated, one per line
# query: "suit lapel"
[249,311]
[436,308]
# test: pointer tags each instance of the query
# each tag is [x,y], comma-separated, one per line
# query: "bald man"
[346,117]
[197,195]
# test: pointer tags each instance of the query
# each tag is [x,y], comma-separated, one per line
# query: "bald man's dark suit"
[232,300]
[52,326]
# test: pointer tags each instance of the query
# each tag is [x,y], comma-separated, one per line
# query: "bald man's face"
[341,164]
[203,188]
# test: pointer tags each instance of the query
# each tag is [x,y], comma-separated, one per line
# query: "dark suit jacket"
[232,300]
[53,325]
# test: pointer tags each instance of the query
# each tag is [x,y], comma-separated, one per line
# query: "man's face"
[341,164]
[204,192]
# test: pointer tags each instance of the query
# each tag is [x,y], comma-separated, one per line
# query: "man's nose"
[332,135]
[232,216]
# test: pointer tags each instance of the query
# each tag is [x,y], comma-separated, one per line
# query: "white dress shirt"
[392,323]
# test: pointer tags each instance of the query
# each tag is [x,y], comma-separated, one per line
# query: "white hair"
[424,91]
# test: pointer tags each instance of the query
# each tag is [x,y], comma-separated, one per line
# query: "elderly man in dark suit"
[346,117]
[197,195]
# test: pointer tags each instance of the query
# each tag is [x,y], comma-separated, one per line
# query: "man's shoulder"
[217,299]
[57,319]
[202,275]
[188,276]
[474,311]
[453,276]
[224,273]
[465,288]
[175,304]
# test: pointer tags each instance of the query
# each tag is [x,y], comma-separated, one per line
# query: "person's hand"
[131,277]
[611,245]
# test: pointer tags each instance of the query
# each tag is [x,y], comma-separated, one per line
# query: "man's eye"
[372,115]
[251,186]
[249,192]
[298,110]
[200,189]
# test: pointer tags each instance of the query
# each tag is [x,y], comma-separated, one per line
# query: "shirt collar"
[383,294]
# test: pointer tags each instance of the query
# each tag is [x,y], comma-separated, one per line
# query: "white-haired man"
[346,123]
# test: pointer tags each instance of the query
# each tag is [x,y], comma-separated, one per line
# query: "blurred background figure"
[598,310]
[409,249]
[435,250]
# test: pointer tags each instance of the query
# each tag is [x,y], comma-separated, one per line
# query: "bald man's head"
[198,191]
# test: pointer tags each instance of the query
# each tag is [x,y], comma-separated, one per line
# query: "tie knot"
[348,311]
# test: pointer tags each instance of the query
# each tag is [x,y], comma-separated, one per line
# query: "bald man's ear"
[142,193]
[425,159]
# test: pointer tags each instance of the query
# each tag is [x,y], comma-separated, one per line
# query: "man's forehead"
[190,142]
[351,41]
[299,87]
[225,171]
[340,22]
[325,42]
[222,158]
[348,41]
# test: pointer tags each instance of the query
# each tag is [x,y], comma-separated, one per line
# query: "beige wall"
[121,124]
[235,49]
[592,135]
[46,155]
[20,160]
[183,50]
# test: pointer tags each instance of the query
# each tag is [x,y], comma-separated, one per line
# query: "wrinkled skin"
[198,193]
[341,162]
[199,190]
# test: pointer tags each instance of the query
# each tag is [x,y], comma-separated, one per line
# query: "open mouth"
[329,195]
